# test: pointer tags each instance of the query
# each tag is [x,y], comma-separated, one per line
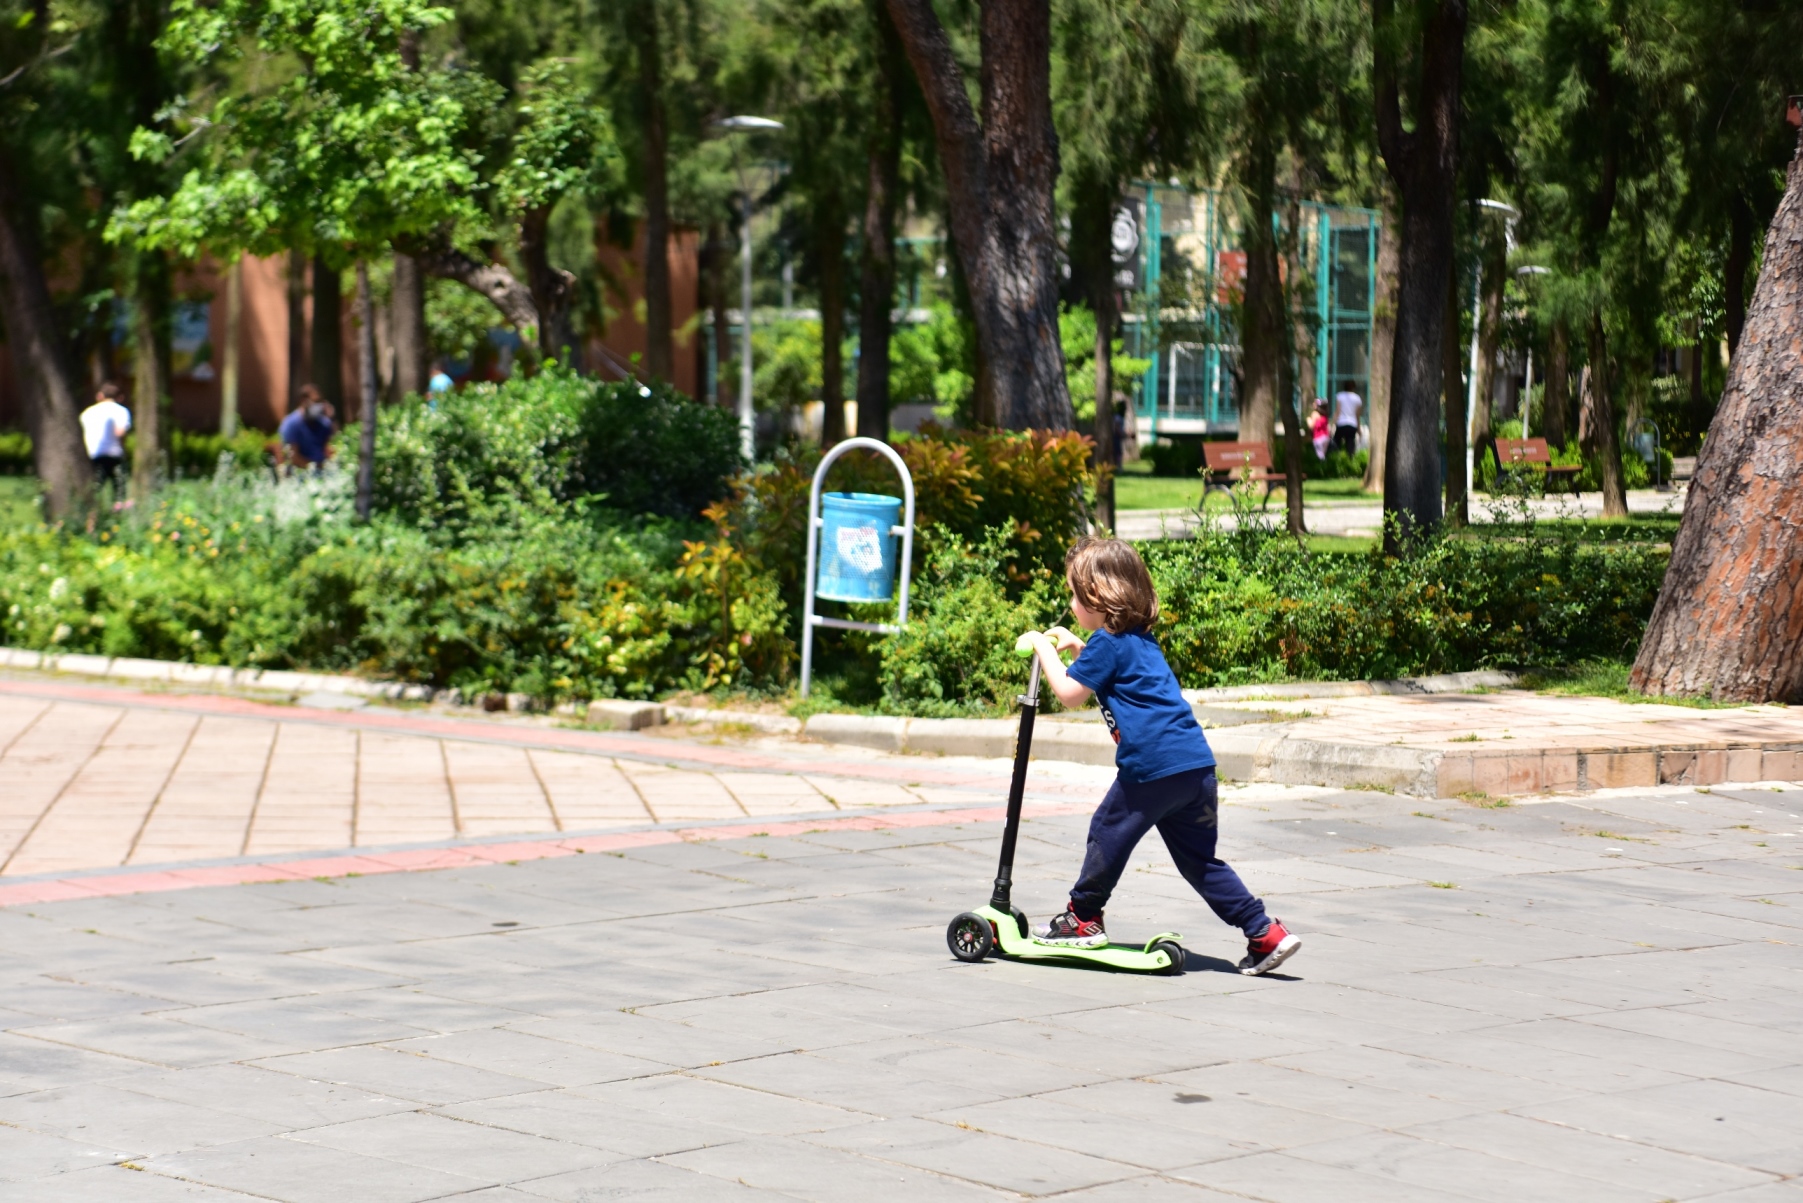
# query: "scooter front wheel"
[1175,953]
[970,937]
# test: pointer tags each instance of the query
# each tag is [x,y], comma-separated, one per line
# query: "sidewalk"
[98,776]
[95,776]
[1512,742]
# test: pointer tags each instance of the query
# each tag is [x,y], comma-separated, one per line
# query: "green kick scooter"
[1001,928]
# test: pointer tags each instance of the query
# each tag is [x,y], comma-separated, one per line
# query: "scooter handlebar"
[1023,647]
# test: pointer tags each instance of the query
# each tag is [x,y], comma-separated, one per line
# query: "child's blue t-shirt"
[1155,732]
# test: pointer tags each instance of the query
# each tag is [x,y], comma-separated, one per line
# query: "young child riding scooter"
[1166,775]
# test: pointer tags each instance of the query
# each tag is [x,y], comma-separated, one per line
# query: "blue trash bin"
[857,552]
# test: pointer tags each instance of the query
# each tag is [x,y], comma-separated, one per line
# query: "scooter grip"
[1023,647]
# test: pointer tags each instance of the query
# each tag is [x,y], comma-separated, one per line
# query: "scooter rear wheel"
[970,937]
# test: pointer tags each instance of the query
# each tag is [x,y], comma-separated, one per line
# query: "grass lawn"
[1605,679]
[1137,489]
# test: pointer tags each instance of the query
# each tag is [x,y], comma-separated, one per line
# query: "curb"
[137,672]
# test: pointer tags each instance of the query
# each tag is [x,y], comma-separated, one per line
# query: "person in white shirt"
[103,427]
[1347,405]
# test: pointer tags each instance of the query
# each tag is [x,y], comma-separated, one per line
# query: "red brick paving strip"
[102,884]
[631,747]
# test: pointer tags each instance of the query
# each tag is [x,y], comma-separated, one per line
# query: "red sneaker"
[1269,949]
[1073,932]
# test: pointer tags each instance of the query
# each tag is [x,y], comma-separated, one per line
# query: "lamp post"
[747,416]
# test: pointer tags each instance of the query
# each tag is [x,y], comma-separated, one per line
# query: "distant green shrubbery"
[1256,605]
[569,539]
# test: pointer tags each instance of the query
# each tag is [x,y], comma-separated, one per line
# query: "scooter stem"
[1001,899]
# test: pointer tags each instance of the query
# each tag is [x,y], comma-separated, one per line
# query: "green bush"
[1180,458]
[196,456]
[956,655]
[15,453]
[541,442]
[1256,605]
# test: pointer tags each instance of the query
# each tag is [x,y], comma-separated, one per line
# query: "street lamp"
[747,417]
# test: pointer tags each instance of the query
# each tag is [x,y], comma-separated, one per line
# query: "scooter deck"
[1139,958]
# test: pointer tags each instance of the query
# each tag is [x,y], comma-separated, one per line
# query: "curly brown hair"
[1108,576]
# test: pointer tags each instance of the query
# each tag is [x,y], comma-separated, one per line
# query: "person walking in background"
[1347,406]
[307,432]
[1317,428]
[103,427]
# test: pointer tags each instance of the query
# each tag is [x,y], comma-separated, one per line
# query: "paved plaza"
[1593,997]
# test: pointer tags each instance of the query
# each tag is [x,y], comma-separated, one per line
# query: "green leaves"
[335,142]
[565,143]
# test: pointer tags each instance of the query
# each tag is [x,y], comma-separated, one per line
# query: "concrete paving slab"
[437,1142]
[117,1184]
[649,1181]
[645,1019]
[276,1168]
[805,1171]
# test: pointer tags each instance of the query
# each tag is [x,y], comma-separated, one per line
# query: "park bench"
[1226,464]
[1514,453]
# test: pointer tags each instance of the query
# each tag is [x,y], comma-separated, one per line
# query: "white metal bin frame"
[809,619]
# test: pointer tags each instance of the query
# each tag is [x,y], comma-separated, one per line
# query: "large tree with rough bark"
[42,363]
[1729,620]
[1418,55]
[1001,173]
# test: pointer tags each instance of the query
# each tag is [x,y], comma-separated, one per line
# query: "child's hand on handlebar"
[1063,640]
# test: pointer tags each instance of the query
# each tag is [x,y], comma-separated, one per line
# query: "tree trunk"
[1293,330]
[496,284]
[876,287]
[1262,337]
[1383,347]
[1107,453]
[1734,275]
[660,355]
[1458,509]
[830,238]
[1423,162]
[297,327]
[1608,448]
[1495,266]
[1699,404]
[149,306]
[1729,620]
[328,333]
[228,373]
[45,377]
[1092,259]
[1000,177]
[407,304]
[1556,410]
[719,259]
[552,289]
[368,385]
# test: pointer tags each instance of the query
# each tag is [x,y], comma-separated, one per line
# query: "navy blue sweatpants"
[1183,808]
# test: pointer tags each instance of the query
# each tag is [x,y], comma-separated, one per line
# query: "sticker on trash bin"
[861,547]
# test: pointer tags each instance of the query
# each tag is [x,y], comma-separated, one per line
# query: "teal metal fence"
[1185,318]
